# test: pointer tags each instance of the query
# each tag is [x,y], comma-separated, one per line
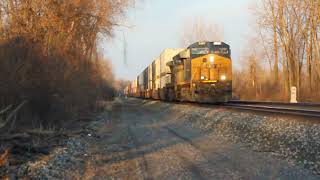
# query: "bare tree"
[289,32]
[199,29]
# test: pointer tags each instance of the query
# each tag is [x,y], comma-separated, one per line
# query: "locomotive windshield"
[200,51]
[221,49]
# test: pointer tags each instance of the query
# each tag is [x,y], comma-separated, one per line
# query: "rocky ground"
[292,138]
[139,139]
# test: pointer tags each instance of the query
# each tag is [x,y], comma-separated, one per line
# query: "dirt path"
[149,140]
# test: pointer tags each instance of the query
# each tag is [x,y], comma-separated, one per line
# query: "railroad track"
[301,109]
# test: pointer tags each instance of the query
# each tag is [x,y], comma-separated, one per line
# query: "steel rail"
[272,108]
[275,103]
[297,109]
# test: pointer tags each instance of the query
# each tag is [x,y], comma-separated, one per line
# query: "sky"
[154,25]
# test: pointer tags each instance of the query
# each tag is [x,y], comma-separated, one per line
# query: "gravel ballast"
[292,138]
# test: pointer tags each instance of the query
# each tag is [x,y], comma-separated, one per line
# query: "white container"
[150,77]
[165,57]
[157,74]
[134,87]
[140,82]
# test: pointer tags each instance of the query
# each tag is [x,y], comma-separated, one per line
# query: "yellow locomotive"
[200,73]
[203,73]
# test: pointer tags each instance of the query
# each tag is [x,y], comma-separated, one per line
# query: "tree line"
[284,53]
[49,56]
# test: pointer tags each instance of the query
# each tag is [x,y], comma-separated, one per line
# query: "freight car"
[200,73]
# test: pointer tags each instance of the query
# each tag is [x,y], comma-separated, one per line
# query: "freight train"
[200,73]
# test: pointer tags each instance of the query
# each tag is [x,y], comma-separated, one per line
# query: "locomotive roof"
[205,44]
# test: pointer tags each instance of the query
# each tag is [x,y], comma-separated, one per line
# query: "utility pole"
[125,46]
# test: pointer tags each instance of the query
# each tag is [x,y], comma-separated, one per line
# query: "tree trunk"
[275,44]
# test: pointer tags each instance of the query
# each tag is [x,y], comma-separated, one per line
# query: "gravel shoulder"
[139,139]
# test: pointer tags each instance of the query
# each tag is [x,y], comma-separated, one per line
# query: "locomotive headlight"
[212,59]
[202,78]
[223,77]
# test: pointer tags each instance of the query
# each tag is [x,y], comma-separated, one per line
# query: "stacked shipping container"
[153,80]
